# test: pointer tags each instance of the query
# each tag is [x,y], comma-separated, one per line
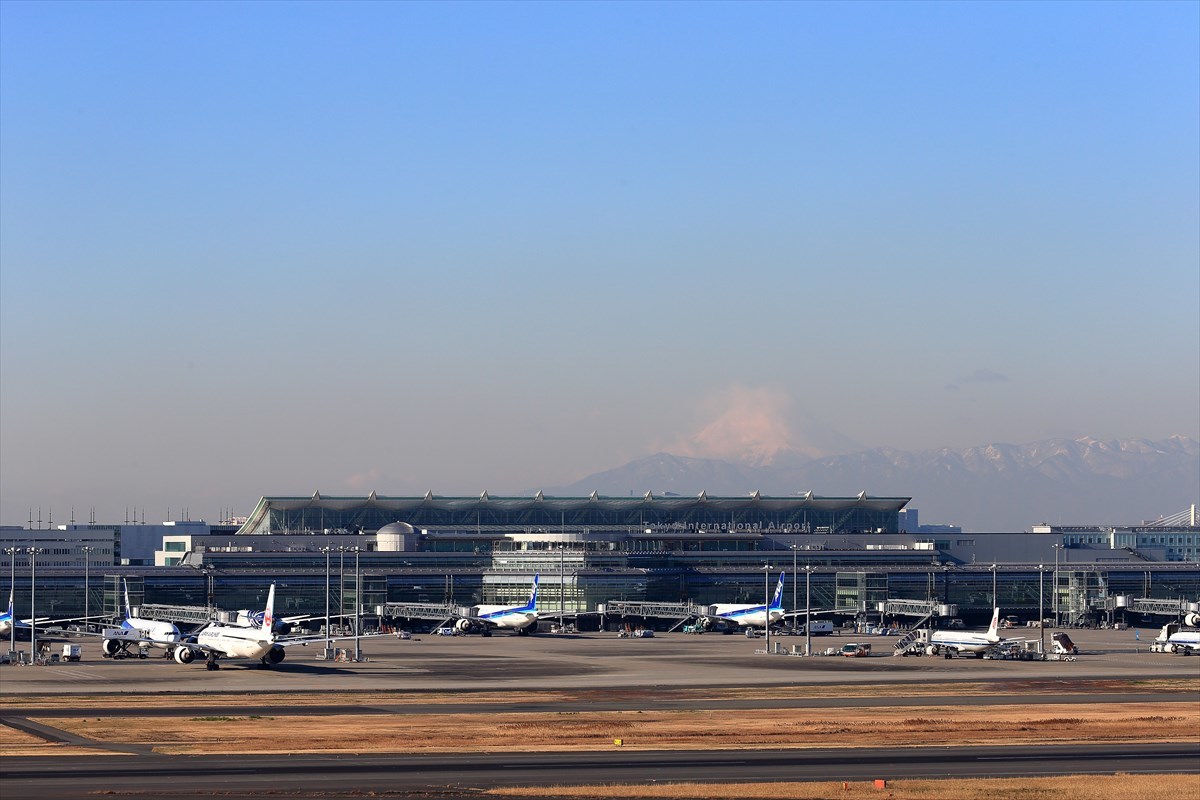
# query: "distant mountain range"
[995,487]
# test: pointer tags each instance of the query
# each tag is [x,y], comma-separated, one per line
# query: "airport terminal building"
[848,552]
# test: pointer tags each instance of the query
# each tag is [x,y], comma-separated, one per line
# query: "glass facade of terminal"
[669,514]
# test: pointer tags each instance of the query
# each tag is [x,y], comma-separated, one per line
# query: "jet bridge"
[1150,606]
[191,615]
[433,611]
[680,612]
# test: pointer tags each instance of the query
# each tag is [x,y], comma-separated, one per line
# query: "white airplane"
[750,615]
[8,620]
[521,618]
[964,642]
[1184,642]
[239,641]
[136,630]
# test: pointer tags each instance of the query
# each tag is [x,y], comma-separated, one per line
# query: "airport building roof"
[801,513]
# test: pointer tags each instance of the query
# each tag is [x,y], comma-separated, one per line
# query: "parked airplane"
[1184,642]
[523,618]
[221,640]
[964,642]
[749,615]
[8,620]
[136,630]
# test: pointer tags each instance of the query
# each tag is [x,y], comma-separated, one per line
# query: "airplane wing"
[48,621]
[306,640]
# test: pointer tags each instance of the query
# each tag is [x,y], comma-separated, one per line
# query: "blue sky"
[270,248]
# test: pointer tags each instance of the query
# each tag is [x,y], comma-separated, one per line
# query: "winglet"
[268,623]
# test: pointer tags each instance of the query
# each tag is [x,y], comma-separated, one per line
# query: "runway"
[453,776]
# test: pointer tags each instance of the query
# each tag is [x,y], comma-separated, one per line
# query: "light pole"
[808,609]
[326,550]
[767,606]
[87,560]
[12,590]
[209,590]
[794,587]
[357,604]
[1041,609]
[341,583]
[33,554]
[995,597]
[562,585]
[1054,588]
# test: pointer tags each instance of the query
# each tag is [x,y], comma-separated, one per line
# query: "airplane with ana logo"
[747,614]
[522,618]
[137,630]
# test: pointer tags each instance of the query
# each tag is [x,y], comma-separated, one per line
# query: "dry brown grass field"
[1072,787]
[649,730]
[933,689]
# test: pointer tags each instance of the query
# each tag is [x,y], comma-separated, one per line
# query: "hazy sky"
[272,248]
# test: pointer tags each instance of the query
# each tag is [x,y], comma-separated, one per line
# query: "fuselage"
[236,642]
[160,634]
[965,642]
[747,615]
[969,642]
[1187,641]
[507,617]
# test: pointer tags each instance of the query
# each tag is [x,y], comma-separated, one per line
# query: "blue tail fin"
[532,604]
[777,601]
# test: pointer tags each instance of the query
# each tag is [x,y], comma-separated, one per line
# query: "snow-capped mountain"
[994,487]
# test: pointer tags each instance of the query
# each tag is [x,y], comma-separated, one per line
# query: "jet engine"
[110,647]
[465,626]
[1192,620]
[276,654]
[184,655]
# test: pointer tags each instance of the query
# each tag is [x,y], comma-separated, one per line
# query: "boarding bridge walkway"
[636,608]
[441,611]
[1146,605]
[191,615]
[917,608]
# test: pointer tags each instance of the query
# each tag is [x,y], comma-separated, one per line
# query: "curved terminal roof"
[317,511]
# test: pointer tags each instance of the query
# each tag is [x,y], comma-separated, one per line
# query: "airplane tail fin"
[268,621]
[532,604]
[993,632]
[10,607]
[777,600]
[128,608]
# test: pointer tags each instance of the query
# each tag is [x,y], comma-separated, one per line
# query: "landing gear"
[212,664]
